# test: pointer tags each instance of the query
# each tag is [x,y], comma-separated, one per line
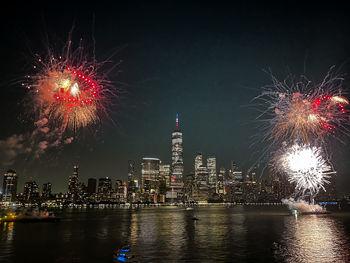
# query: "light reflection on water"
[164,234]
[314,238]
[6,239]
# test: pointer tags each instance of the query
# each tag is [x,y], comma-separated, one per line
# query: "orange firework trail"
[304,111]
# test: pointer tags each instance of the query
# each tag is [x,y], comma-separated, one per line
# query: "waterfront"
[168,234]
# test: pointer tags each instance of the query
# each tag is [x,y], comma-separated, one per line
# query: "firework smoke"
[10,148]
[302,206]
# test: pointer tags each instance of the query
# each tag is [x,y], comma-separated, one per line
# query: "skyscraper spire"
[177,120]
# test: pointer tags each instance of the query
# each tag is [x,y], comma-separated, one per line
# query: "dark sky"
[204,60]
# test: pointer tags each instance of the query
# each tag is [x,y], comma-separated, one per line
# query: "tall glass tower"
[198,162]
[9,186]
[211,165]
[73,183]
[177,164]
[131,170]
[150,174]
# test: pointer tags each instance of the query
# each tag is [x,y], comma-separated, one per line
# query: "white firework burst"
[305,166]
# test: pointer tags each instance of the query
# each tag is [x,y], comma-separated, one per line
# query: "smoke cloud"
[32,144]
[302,206]
[10,148]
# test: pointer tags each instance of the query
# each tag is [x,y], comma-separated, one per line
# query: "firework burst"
[69,90]
[304,166]
[303,110]
[299,117]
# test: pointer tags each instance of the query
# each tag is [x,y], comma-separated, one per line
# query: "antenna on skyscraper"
[177,120]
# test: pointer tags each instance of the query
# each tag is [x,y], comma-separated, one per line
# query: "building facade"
[9,186]
[31,192]
[150,174]
[46,192]
[164,173]
[91,188]
[131,170]
[177,164]
[211,166]
[198,161]
[73,184]
[104,188]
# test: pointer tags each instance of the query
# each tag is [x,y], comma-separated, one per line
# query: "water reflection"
[171,234]
[314,239]
[173,230]
[7,231]
[168,234]
[238,234]
[157,233]
[134,229]
[6,238]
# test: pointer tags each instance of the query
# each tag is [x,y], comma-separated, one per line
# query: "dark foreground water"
[168,234]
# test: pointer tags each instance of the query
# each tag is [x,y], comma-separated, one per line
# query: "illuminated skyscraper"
[221,179]
[31,191]
[202,184]
[104,188]
[9,186]
[198,161]
[46,190]
[164,172]
[233,165]
[131,170]
[118,184]
[132,184]
[237,184]
[150,174]
[104,185]
[211,165]
[121,191]
[73,184]
[177,165]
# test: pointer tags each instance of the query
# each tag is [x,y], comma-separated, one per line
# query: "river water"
[168,234]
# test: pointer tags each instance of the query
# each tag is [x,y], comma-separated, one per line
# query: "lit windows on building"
[211,166]
[9,186]
[150,174]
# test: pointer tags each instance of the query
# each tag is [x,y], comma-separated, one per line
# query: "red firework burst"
[69,91]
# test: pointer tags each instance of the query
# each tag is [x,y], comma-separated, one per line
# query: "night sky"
[203,60]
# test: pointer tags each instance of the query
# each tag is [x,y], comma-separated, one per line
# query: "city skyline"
[175,131]
[206,65]
[210,163]
[159,182]
[136,171]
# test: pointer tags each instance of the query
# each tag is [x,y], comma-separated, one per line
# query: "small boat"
[189,208]
[123,255]
[124,249]
[124,258]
